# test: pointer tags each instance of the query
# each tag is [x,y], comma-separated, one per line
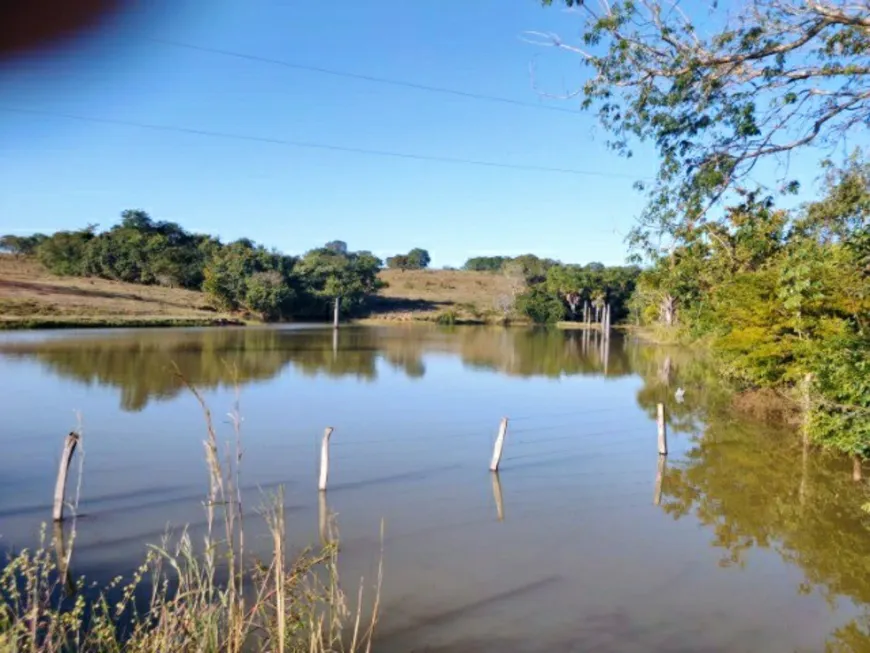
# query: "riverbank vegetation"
[782,292]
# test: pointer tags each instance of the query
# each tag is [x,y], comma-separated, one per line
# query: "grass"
[31,297]
[176,599]
[445,296]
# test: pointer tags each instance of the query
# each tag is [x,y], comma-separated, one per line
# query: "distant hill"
[32,297]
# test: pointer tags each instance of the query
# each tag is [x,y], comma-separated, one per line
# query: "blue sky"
[59,173]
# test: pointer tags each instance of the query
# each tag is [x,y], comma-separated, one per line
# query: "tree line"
[548,291]
[236,276]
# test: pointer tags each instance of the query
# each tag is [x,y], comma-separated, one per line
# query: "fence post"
[499,445]
[69,448]
[663,431]
[324,460]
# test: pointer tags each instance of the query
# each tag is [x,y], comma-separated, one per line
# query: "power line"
[367,78]
[315,146]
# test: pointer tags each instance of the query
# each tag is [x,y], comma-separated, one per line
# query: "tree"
[768,80]
[337,247]
[21,245]
[418,259]
[398,262]
[540,307]
[328,276]
[485,263]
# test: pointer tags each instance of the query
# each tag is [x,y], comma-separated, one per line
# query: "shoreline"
[110,322]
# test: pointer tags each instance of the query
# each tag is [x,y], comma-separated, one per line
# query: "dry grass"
[430,294]
[31,296]
[176,601]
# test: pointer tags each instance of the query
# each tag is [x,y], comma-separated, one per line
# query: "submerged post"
[69,448]
[660,478]
[663,431]
[497,495]
[499,445]
[335,312]
[324,460]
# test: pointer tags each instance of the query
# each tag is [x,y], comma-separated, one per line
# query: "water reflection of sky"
[581,557]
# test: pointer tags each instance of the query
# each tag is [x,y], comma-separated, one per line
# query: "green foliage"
[268,295]
[485,263]
[238,276]
[781,295]
[755,82]
[66,252]
[21,245]
[416,259]
[419,259]
[326,274]
[540,306]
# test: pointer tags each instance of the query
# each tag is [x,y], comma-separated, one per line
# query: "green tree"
[65,252]
[418,259]
[21,245]
[485,263]
[769,79]
[398,262]
[540,307]
[328,276]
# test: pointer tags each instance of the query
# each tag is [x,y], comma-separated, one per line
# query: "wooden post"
[334,342]
[335,313]
[607,318]
[499,445]
[497,495]
[324,460]
[663,431]
[69,448]
[660,478]
[857,472]
[323,519]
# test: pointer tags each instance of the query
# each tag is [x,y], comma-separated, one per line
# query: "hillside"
[428,294]
[32,297]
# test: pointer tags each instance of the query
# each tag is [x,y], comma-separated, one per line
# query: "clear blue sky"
[58,173]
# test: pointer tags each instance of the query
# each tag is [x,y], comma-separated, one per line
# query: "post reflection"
[497,495]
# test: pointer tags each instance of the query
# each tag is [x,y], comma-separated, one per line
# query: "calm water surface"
[755,546]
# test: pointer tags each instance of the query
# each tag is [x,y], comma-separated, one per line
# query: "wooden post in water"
[499,445]
[660,478]
[69,448]
[663,431]
[324,460]
[323,519]
[497,495]
[857,472]
[335,313]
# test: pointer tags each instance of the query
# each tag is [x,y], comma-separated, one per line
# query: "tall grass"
[182,600]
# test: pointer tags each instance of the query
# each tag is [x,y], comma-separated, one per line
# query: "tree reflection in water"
[752,484]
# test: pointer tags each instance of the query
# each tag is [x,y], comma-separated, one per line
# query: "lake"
[754,543]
